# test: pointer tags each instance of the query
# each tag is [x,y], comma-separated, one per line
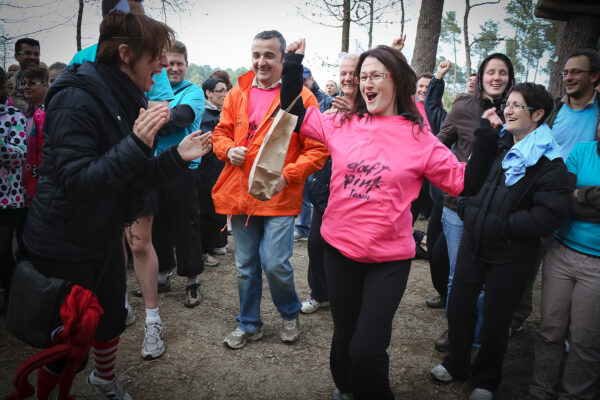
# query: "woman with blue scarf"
[521,197]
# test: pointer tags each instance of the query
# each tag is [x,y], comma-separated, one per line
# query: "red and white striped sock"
[105,354]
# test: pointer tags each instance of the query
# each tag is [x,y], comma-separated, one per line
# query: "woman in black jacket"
[98,165]
[523,196]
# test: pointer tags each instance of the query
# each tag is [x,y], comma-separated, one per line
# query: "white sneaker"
[209,260]
[290,330]
[311,305]
[130,320]
[111,389]
[153,346]
[238,338]
[481,394]
[220,251]
[440,373]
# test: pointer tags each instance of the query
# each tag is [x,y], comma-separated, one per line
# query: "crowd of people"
[118,158]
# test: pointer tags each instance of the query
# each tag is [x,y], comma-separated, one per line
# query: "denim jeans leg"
[303,224]
[453,229]
[275,250]
[247,260]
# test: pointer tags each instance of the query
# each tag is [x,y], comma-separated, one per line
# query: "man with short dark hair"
[27,54]
[263,230]
[312,85]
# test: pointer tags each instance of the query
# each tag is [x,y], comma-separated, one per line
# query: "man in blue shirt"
[177,221]
[573,120]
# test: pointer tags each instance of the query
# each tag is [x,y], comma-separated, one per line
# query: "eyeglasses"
[516,107]
[378,77]
[220,91]
[31,84]
[29,53]
[573,72]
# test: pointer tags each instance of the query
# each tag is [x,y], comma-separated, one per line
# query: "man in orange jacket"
[263,231]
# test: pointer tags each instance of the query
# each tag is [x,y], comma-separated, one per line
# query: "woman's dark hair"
[535,96]
[224,76]
[481,70]
[210,84]
[403,78]
[3,89]
[139,32]
[36,73]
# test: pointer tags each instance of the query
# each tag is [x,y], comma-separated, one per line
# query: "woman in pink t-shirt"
[381,151]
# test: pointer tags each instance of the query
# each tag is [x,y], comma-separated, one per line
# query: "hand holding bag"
[268,165]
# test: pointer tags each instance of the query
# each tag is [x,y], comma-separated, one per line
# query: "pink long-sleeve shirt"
[378,166]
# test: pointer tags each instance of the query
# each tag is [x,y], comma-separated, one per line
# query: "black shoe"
[515,327]
[192,295]
[441,343]
[436,302]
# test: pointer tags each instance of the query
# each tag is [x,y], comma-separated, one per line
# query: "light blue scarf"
[528,151]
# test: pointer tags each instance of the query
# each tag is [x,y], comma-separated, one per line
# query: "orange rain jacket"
[305,156]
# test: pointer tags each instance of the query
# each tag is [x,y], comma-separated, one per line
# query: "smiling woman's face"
[378,91]
[144,68]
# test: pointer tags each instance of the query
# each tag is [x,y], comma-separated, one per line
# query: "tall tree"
[79,19]
[468,8]
[428,34]
[579,31]
[487,40]
[451,34]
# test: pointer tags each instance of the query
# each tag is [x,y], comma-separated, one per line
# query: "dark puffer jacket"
[95,171]
[507,222]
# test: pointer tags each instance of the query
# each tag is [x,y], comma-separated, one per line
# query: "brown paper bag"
[268,165]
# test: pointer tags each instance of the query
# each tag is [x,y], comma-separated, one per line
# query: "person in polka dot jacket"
[13,145]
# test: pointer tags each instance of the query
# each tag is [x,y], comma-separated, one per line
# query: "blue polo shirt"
[583,236]
[575,126]
[185,93]
[161,90]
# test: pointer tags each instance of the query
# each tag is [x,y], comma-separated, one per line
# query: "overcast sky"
[219,33]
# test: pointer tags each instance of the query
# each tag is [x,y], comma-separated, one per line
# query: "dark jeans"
[212,225]
[364,298]
[437,251]
[178,224]
[11,224]
[317,279]
[504,283]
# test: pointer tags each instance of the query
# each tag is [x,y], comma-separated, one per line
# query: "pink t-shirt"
[258,104]
[377,171]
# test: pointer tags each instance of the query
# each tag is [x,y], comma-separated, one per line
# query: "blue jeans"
[267,243]
[453,229]
[303,224]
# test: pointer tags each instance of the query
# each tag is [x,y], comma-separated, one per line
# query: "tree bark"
[578,32]
[428,34]
[79,18]
[346,26]
[466,37]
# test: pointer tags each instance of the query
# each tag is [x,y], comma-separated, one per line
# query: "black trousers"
[437,251]
[317,279]
[109,286]
[504,283]
[211,223]
[12,222]
[178,224]
[364,298]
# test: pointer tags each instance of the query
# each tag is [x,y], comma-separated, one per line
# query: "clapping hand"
[195,145]
[149,122]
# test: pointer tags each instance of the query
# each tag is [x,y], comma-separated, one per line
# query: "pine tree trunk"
[578,32]
[79,18]
[346,26]
[466,37]
[428,34]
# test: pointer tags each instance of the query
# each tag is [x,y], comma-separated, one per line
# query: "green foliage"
[450,32]
[533,37]
[487,40]
[197,74]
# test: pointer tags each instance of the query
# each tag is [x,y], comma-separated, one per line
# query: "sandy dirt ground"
[196,364]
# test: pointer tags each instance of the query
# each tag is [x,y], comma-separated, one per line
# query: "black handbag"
[34,305]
